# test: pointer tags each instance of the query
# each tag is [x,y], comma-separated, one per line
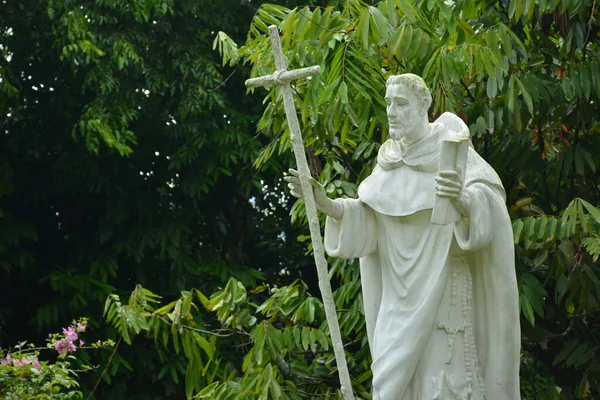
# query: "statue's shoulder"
[452,126]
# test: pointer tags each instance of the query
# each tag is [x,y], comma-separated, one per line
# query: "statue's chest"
[399,192]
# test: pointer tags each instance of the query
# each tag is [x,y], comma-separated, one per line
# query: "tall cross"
[282,78]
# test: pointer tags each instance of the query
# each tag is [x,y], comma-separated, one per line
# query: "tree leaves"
[532,297]
[138,144]
[276,355]
[227,48]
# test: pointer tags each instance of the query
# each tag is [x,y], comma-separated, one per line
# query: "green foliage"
[278,349]
[125,157]
[560,253]
[24,376]
[51,381]
[126,317]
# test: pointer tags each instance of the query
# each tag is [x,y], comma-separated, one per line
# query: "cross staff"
[282,78]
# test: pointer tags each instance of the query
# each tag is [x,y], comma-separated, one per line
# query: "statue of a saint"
[440,301]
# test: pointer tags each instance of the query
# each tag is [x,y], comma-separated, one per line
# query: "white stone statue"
[440,301]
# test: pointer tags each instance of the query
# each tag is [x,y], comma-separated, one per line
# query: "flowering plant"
[24,376]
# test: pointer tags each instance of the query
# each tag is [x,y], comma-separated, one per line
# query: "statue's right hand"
[293,180]
[323,203]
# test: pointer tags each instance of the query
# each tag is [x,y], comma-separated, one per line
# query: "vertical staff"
[282,78]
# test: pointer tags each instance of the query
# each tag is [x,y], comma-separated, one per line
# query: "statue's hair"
[414,83]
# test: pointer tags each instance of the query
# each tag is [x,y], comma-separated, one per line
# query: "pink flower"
[24,361]
[71,335]
[4,361]
[36,364]
[64,345]
[81,327]
[16,362]
[61,346]
[81,343]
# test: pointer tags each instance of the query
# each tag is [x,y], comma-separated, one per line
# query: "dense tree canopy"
[127,158]
[131,154]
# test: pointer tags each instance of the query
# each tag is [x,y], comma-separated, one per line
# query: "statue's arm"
[486,212]
[354,235]
[477,202]
[348,234]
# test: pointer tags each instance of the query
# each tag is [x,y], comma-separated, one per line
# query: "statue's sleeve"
[355,235]
[477,230]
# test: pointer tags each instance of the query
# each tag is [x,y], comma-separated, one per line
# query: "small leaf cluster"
[562,251]
[23,374]
[51,381]
[278,349]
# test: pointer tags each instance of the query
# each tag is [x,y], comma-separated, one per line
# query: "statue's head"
[408,100]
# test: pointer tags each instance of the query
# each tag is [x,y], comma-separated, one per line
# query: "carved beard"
[402,128]
[399,129]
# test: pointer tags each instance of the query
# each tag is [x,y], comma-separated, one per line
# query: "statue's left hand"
[449,185]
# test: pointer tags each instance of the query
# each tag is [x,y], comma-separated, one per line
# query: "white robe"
[424,284]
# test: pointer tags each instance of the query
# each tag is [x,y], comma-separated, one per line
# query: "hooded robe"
[440,302]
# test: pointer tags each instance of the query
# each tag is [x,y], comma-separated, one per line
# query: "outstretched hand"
[293,180]
[323,203]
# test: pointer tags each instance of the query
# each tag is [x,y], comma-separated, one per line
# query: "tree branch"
[166,321]
[105,368]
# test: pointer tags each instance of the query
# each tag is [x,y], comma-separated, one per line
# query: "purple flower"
[61,346]
[36,364]
[16,362]
[24,361]
[64,345]
[81,327]
[4,362]
[71,334]
[81,343]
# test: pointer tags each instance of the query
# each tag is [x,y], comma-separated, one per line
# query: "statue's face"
[404,113]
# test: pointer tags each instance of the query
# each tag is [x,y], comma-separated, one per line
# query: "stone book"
[453,157]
